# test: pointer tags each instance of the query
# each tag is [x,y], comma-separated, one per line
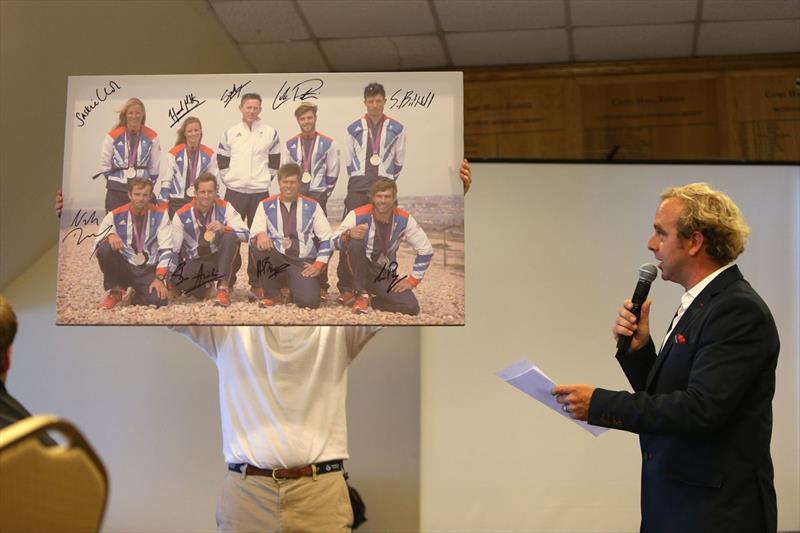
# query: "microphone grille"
[648,272]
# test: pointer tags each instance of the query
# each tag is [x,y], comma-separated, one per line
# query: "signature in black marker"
[410,99]
[84,218]
[188,103]
[81,237]
[200,279]
[265,266]
[299,91]
[99,98]
[389,272]
[230,94]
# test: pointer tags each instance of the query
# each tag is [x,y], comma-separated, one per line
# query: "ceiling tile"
[749,37]
[622,12]
[480,15]
[299,56]
[356,18]
[384,53]
[508,47]
[255,21]
[750,9]
[633,42]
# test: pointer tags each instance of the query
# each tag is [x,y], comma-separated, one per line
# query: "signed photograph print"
[296,199]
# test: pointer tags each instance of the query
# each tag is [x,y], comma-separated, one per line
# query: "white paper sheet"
[528,378]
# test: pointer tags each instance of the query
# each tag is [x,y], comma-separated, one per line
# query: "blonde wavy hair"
[123,120]
[715,216]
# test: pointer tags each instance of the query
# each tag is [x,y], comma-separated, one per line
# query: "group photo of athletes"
[263,199]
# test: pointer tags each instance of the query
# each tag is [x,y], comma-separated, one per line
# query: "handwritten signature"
[81,237]
[230,94]
[200,279]
[389,272]
[265,266]
[99,98]
[410,99]
[188,103]
[299,91]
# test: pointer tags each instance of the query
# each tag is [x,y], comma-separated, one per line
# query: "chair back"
[49,488]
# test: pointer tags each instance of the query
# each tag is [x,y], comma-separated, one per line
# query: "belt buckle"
[275,477]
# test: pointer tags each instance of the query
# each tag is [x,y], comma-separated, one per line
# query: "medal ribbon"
[133,148]
[307,148]
[192,157]
[382,232]
[375,135]
[139,226]
[203,247]
[289,217]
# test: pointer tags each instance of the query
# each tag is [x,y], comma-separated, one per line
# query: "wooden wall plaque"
[716,109]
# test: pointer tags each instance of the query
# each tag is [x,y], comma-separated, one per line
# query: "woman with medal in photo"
[186,161]
[129,150]
[134,248]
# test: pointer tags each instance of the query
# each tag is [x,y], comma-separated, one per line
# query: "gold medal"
[130,173]
[306,177]
[209,235]
[375,160]
[287,243]
[139,259]
[190,191]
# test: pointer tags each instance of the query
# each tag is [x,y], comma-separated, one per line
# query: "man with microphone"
[702,400]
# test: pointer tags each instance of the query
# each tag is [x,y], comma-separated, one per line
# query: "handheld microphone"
[647,273]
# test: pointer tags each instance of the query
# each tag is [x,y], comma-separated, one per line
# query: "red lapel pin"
[680,339]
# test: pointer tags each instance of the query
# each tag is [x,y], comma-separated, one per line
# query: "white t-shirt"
[282,390]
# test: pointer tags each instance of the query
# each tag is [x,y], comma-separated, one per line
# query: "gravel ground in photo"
[80,290]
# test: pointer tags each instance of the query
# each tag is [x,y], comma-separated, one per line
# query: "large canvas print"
[263,199]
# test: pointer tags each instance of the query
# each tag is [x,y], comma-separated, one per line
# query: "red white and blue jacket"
[392,148]
[114,156]
[157,234]
[173,181]
[311,222]
[324,161]
[404,226]
[186,228]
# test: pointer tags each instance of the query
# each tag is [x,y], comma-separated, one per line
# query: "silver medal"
[375,160]
[190,191]
[130,173]
[306,177]
[139,259]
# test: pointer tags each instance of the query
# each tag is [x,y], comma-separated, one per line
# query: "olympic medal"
[375,160]
[287,243]
[130,173]
[139,259]
[306,177]
[209,235]
[190,191]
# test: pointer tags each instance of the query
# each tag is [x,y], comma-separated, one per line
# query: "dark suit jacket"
[703,410]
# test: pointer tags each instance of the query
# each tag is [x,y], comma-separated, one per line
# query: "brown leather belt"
[288,473]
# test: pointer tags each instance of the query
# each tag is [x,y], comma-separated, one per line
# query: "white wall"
[147,401]
[552,252]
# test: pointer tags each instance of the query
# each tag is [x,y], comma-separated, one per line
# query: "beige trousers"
[258,504]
